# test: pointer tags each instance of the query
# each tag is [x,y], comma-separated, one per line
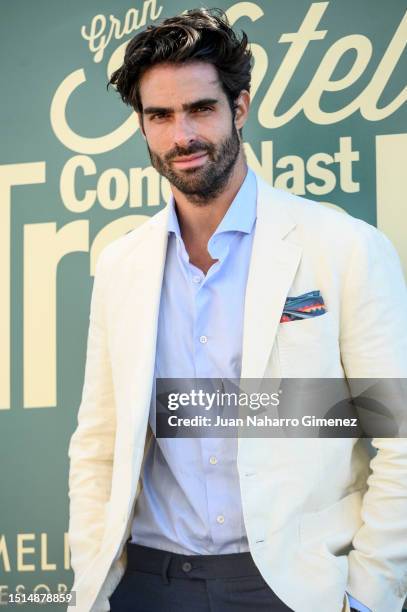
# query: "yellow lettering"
[68,137]
[137,176]
[113,177]
[24,550]
[321,172]
[322,81]
[67,184]
[345,157]
[391,179]
[265,167]
[44,247]
[381,77]
[11,175]
[45,566]
[299,42]
[4,553]
[67,555]
[293,180]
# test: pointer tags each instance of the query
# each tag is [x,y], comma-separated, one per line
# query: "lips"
[191,160]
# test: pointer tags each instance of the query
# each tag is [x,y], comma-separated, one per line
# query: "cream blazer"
[306,502]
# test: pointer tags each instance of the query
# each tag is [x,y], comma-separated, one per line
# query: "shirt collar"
[239,217]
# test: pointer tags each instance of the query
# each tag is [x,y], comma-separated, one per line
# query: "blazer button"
[186,566]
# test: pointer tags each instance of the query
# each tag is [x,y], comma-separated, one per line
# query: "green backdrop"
[328,121]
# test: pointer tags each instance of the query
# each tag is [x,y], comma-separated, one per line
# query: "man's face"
[189,128]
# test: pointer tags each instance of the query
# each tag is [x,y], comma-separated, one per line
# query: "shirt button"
[220,519]
[186,566]
[196,279]
[203,339]
[213,460]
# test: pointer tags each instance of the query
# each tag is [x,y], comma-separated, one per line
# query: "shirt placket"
[214,451]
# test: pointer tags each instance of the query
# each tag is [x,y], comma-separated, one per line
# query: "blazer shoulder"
[322,222]
[120,247]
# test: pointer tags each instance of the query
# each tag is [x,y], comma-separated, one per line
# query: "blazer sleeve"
[374,345]
[91,446]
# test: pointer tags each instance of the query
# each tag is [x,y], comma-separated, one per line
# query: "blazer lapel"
[134,321]
[273,265]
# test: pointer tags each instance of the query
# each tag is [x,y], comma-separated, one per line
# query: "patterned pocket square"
[304,306]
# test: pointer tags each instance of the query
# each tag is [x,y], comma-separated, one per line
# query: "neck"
[198,223]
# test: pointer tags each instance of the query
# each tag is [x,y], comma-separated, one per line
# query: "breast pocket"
[309,348]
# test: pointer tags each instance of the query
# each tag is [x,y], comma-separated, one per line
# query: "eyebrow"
[151,110]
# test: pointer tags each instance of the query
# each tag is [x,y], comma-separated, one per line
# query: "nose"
[184,131]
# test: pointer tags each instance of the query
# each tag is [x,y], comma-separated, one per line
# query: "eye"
[203,109]
[158,116]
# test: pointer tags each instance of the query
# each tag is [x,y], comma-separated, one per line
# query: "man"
[200,291]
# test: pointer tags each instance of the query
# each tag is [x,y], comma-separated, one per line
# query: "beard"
[204,183]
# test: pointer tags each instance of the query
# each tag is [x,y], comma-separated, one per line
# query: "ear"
[242,107]
[140,121]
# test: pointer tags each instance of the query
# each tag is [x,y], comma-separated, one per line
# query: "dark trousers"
[160,581]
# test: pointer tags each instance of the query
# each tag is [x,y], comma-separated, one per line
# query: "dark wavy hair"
[197,35]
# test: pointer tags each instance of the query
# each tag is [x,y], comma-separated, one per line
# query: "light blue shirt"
[190,502]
